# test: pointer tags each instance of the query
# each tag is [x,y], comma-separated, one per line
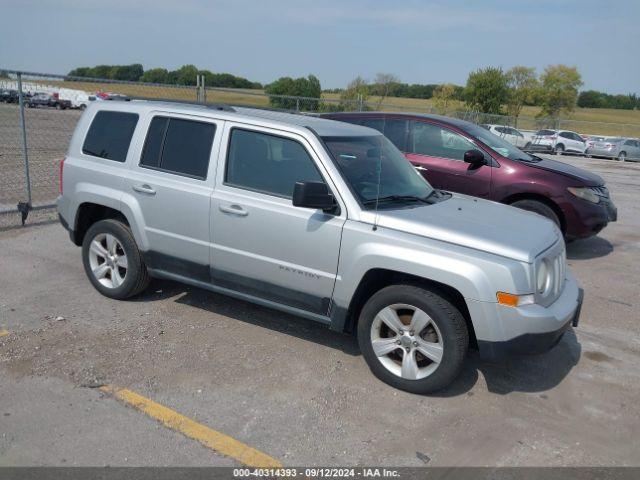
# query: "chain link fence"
[39,112]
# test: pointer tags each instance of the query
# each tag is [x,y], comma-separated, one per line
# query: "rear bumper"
[540,147]
[596,152]
[62,203]
[530,343]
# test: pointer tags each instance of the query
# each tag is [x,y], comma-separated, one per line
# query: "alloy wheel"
[407,341]
[107,260]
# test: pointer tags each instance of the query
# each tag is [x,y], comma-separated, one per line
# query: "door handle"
[234,210]
[144,189]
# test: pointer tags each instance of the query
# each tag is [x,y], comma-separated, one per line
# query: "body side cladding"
[243,296]
[161,265]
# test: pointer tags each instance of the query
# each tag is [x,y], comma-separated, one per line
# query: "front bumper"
[531,329]
[584,219]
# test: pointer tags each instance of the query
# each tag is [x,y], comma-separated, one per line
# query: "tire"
[538,207]
[558,149]
[116,278]
[83,107]
[444,335]
[622,156]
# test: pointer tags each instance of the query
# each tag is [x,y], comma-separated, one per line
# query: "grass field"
[600,120]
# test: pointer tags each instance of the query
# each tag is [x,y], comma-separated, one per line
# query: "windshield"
[498,144]
[359,159]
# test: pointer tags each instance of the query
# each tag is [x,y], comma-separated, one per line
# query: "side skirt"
[325,320]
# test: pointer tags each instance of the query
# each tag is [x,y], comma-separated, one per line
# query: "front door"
[438,153]
[262,244]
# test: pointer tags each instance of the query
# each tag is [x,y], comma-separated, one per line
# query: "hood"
[590,179]
[479,224]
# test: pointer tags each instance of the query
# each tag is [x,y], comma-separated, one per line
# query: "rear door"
[438,153]
[171,182]
[262,244]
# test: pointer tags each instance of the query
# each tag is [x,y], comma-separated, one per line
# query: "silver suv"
[318,218]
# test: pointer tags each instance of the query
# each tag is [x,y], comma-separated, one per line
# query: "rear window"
[178,146]
[110,135]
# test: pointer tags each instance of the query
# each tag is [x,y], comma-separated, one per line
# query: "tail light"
[553,137]
[60,188]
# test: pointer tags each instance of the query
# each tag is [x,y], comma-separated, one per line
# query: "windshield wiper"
[398,198]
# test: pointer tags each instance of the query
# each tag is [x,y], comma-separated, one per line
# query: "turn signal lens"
[511,300]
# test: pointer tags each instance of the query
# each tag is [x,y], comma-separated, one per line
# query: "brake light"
[60,189]
[553,137]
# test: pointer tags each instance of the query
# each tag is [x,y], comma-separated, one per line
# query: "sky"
[418,41]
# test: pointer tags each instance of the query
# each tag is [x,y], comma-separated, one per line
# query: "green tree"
[299,87]
[155,75]
[356,93]
[384,85]
[523,87]
[443,95]
[487,90]
[131,73]
[185,75]
[559,90]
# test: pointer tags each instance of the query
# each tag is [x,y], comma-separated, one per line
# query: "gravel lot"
[293,389]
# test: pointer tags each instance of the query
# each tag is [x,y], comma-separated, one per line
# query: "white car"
[510,134]
[558,142]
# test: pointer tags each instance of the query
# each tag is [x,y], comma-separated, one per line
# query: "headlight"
[585,194]
[544,276]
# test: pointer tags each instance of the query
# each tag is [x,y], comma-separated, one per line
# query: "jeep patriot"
[317,218]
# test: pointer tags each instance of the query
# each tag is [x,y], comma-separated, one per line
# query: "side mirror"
[474,157]
[313,195]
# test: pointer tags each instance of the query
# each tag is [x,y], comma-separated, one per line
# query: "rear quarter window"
[109,135]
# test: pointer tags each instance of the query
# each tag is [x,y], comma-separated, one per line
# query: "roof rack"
[212,106]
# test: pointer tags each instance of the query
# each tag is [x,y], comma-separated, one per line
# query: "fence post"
[297,104]
[204,90]
[23,207]
[360,102]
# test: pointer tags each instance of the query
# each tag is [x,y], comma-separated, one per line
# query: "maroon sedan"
[463,157]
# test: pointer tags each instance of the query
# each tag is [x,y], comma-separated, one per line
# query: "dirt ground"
[294,389]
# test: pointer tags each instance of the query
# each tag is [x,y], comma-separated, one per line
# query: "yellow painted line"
[208,437]
[4,333]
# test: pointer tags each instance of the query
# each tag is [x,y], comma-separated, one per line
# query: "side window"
[435,141]
[502,130]
[375,123]
[267,163]
[577,137]
[109,135]
[178,146]
[629,142]
[515,132]
[565,135]
[396,131]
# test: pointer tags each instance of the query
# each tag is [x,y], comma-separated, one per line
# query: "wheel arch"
[542,199]
[376,279]
[89,213]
